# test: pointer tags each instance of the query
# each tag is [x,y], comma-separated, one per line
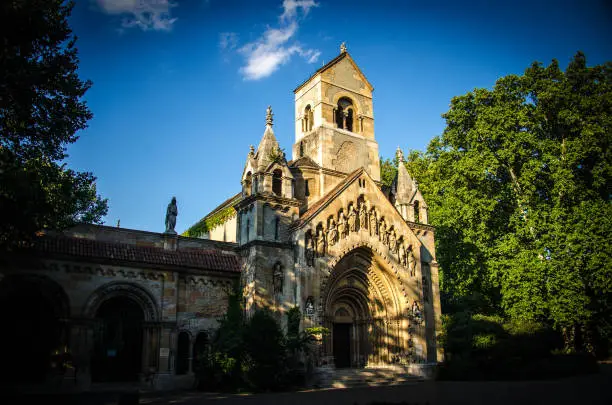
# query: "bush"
[480,347]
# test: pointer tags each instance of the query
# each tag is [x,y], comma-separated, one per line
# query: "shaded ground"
[588,389]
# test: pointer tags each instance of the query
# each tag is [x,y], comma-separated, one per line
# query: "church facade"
[318,231]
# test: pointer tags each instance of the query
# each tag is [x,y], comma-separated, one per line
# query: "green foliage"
[210,222]
[265,346]
[41,110]
[518,187]
[483,347]
[388,171]
[276,155]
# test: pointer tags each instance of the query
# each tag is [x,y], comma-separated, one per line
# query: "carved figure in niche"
[363,216]
[411,262]
[401,254]
[416,311]
[342,225]
[373,223]
[392,241]
[320,244]
[309,250]
[171,214]
[382,231]
[278,277]
[332,233]
[352,219]
[309,306]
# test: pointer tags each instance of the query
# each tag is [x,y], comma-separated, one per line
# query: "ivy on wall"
[210,222]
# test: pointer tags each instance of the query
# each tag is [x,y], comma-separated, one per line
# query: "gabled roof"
[322,203]
[332,63]
[304,161]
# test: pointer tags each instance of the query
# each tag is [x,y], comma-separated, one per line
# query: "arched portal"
[33,309]
[118,342]
[363,312]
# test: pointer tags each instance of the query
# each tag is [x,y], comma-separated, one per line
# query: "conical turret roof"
[404,183]
[268,146]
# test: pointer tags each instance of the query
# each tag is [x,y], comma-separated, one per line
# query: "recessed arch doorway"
[363,311]
[118,345]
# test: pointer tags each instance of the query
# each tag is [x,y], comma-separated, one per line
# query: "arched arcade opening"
[363,311]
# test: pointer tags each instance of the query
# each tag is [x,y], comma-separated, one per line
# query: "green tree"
[41,111]
[518,187]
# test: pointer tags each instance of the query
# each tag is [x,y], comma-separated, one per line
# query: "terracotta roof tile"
[189,258]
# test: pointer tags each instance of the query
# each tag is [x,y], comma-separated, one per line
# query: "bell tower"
[334,120]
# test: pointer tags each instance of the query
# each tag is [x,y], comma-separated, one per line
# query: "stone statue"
[401,254]
[382,231]
[171,213]
[373,224]
[342,229]
[309,306]
[320,244]
[352,219]
[411,262]
[363,217]
[392,241]
[277,279]
[332,233]
[416,311]
[309,251]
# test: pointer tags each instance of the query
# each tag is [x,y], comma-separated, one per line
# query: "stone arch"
[114,289]
[363,283]
[34,309]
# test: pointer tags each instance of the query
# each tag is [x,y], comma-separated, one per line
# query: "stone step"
[344,378]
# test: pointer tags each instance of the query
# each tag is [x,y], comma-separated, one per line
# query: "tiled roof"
[304,161]
[314,209]
[121,252]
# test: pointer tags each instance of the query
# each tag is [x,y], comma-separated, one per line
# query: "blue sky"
[180,88]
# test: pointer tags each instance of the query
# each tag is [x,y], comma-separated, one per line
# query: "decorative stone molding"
[122,289]
[105,272]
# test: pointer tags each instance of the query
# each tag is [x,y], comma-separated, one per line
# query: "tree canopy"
[41,111]
[518,187]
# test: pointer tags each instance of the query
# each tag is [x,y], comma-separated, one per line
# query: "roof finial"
[343,47]
[399,154]
[251,150]
[269,115]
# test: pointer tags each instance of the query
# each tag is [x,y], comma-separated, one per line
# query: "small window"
[276,228]
[247,184]
[306,188]
[417,217]
[308,119]
[277,182]
[344,113]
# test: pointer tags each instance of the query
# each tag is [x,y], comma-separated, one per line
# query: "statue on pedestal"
[332,233]
[342,229]
[352,219]
[363,216]
[171,214]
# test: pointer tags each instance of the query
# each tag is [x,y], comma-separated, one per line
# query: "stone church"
[318,231]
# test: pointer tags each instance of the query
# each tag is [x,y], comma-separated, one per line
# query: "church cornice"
[266,197]
[267,243]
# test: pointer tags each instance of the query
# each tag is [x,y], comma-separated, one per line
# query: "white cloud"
[290,8]
[273,48]
[144,14]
